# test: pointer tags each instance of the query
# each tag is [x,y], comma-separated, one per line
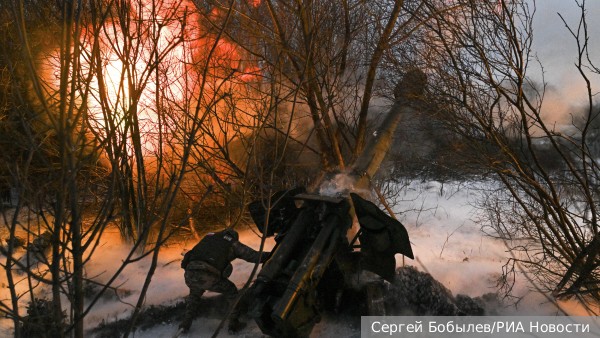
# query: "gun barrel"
[411,88]
[306,271]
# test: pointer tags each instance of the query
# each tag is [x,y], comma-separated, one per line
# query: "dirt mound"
[417,293]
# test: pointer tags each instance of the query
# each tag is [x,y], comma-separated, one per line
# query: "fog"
[556,50]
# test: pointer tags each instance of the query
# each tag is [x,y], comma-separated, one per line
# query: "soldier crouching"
[207,268]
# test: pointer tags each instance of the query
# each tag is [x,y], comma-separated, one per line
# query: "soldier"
[207,267]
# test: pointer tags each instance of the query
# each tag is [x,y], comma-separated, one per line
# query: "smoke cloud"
[556,50]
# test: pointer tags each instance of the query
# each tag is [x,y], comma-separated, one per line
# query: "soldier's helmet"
[231,232]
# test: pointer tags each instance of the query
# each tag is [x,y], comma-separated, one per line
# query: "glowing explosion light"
[151,69]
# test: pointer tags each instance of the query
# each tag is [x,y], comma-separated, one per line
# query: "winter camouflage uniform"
[207,267]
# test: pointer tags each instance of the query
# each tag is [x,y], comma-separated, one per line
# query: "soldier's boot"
[185,325]
[192,303]
[235,325]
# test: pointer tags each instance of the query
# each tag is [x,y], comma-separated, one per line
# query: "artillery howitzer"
[313,263]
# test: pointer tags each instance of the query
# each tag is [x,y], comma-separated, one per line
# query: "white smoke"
[340,185]
[343,184]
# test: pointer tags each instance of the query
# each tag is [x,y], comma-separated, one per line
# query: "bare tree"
[325,58]
[111,116]
[479,56]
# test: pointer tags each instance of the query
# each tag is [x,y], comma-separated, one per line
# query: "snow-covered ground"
[446,241]
[450,245]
